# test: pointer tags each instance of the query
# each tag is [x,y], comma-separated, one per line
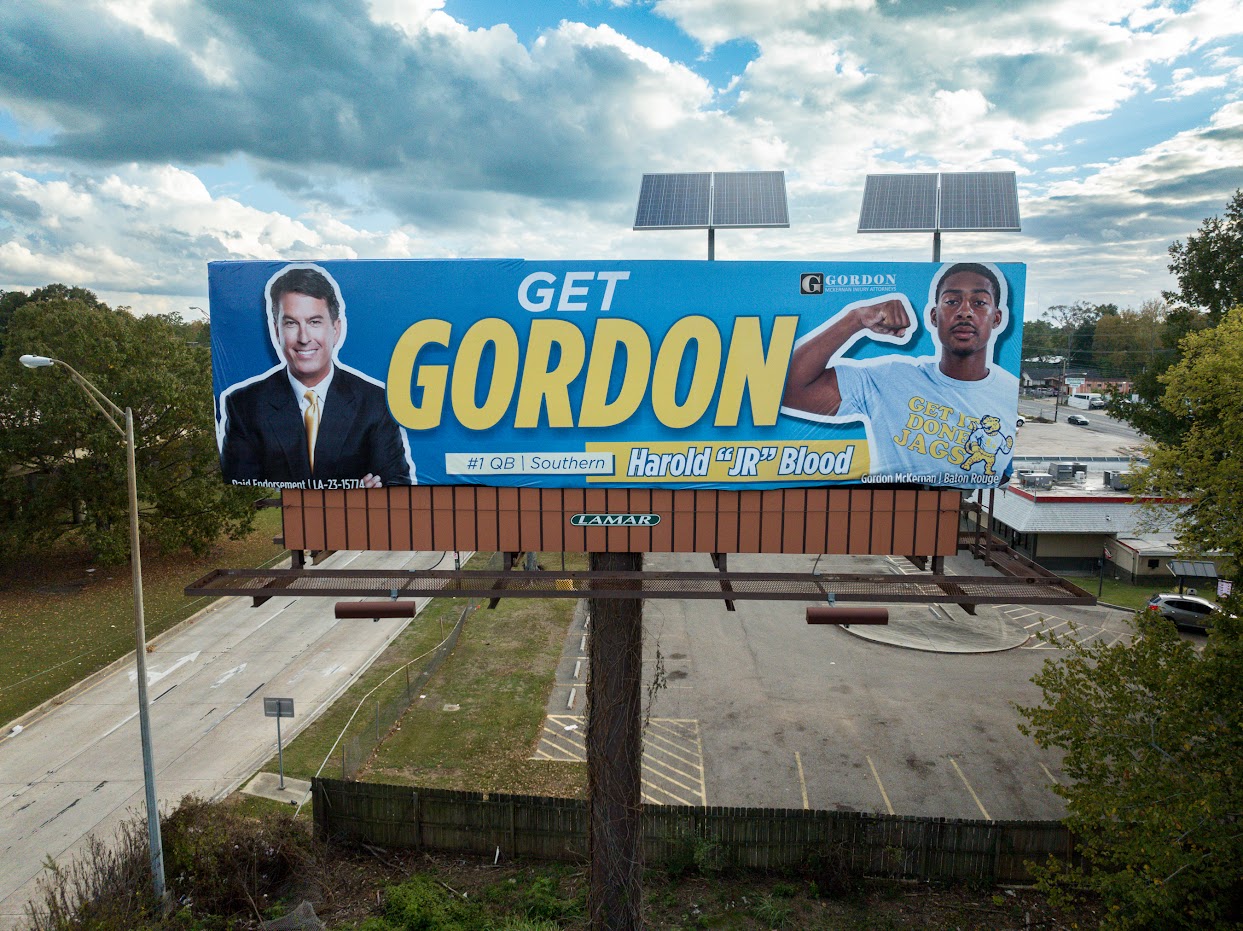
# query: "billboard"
[598,374]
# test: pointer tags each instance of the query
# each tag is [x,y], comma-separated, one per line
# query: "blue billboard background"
[643,373]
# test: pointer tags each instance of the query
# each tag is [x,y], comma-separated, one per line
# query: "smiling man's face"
[966,313]
[308,335]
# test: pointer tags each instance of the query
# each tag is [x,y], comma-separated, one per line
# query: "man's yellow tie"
[311,419]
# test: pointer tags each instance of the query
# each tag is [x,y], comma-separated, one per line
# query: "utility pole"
[1065,363]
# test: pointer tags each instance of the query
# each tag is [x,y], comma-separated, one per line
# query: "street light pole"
[99,399]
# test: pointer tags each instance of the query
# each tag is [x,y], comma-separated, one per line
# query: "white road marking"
[802,783]
[880,785]
[227,676]
[155,675]
[979,804]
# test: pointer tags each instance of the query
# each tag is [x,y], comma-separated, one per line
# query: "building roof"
[1087,505]
[1154,544]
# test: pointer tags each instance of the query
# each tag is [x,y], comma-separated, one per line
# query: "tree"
[11,300]
[1204,466]
[1209,267]
[1041,341]
[1126,343]
[1209,271]
[1153,739]
[62,466]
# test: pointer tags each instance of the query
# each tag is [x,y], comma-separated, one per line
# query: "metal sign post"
[279,708]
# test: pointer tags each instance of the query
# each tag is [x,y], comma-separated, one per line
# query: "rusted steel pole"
[614,754]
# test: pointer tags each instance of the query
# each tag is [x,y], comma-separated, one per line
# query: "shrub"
[106,888]
[225,863]
[543,901]
[420,904]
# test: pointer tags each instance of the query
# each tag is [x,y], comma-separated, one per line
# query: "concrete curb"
[36,713]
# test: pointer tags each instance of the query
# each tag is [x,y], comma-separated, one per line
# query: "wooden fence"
[898,846]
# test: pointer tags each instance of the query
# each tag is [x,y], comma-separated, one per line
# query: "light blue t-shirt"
[921,422]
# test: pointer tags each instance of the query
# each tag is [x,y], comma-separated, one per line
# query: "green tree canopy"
[1209,271]
[1204,466]
[1153,738]
[1128,342]
[1209,266]
[62,466]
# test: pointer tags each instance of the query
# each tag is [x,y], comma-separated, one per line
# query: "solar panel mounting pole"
[936,245]
[711,243]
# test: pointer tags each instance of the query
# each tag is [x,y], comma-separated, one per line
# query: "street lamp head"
[36,362]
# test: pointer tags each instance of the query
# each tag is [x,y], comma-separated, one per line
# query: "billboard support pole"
[614,754]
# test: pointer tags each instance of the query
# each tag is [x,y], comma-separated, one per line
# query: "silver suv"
[1187,611]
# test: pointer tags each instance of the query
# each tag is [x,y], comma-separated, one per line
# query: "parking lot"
[792,716]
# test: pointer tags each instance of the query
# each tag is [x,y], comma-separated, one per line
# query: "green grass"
[59,623]
[499,675]
[1127,595]
[305,754]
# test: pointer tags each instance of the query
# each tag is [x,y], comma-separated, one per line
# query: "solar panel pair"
[712,200]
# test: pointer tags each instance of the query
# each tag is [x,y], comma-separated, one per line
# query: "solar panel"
[974,201]
[674,201]
[749,199]
[899,203]
[1193,568]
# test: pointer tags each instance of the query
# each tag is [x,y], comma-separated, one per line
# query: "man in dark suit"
[310,421]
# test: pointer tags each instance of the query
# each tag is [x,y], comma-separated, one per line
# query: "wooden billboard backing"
[843,521]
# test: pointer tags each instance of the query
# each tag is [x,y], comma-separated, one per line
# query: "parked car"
[1078,420]
[1097,404]
[1019,422]
[1188,611]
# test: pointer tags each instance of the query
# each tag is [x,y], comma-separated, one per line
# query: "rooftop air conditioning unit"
[1036,480]
[1120,481]
[1062,471]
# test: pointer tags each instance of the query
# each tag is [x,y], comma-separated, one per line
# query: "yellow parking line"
[670,750]
[647,764]
[1052,777]
[578,751]
[703,787]
[978,803]
[880,785]
[656,801]
[802,783]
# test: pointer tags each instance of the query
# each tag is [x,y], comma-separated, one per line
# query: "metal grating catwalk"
[730,586]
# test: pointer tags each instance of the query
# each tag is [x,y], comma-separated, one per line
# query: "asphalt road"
[1098,421]
[77,769]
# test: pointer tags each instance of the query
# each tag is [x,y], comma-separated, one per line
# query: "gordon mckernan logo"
[615,520]
[811,283]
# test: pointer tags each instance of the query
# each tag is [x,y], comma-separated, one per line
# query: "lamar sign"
[615,520]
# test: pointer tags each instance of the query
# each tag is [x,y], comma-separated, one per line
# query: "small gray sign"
[278,707]
[615,520]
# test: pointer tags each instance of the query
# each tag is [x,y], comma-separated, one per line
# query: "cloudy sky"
[140,139]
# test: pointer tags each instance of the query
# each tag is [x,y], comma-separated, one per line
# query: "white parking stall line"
[880,785]
[672,755]
[978,803]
